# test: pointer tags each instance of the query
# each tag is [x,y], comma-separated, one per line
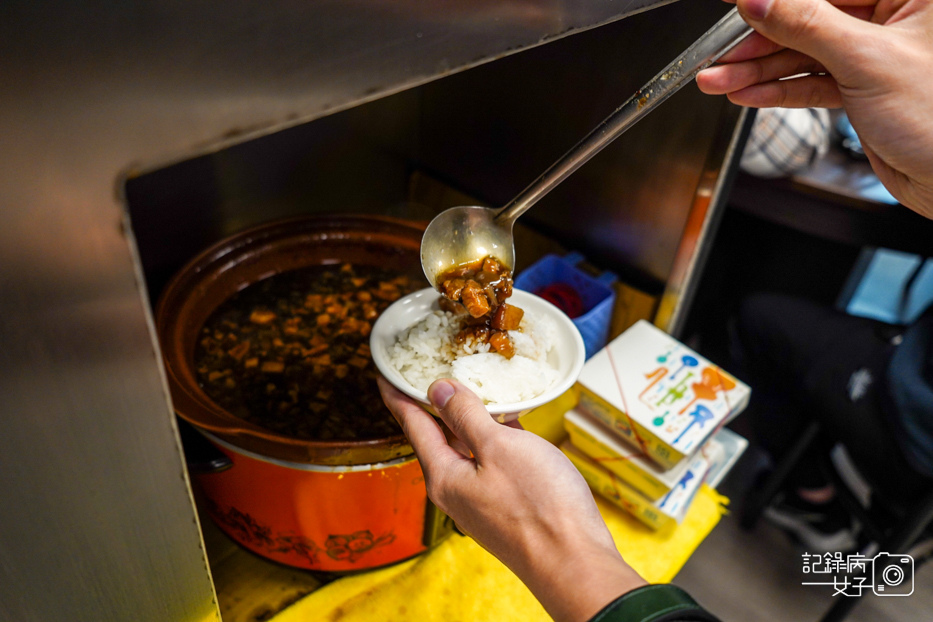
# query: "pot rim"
[308,466]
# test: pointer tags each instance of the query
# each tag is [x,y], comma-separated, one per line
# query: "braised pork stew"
[481,289]
[290,353]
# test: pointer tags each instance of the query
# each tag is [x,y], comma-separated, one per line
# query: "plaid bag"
[784,141]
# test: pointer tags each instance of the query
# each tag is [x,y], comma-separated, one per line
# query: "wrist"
[574,581]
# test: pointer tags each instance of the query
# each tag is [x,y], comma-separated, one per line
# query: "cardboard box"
[618,456]
[660,514]
[658,394]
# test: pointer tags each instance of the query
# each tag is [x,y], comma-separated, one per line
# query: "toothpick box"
[660,514]
[658,394]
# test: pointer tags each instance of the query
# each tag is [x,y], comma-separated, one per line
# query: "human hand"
[872,57]
[519,497]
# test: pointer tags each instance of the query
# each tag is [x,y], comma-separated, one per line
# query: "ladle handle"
[726,34]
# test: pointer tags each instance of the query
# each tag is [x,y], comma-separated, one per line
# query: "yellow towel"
[459,581]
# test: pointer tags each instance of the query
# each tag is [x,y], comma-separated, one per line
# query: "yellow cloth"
[459,581]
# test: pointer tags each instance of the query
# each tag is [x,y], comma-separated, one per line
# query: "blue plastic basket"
[597,294]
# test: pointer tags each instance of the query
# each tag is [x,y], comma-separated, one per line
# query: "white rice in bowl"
[428,350]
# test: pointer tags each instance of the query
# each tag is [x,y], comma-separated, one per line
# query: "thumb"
[814,27]
[464,413]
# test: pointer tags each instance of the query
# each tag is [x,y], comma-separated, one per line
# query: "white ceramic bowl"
[566,356]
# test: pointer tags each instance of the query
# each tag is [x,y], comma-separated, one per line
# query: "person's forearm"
[575,580]
[519,497]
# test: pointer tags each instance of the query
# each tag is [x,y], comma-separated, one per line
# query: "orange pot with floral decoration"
[327,518]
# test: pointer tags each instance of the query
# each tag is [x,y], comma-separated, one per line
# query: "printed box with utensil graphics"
[658,394]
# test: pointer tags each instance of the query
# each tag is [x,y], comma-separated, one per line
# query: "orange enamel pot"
[326,518]
[330,506]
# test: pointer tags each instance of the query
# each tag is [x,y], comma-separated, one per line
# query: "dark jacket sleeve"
[654,603]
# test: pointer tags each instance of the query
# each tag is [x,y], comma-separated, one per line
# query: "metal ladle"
[461,235]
